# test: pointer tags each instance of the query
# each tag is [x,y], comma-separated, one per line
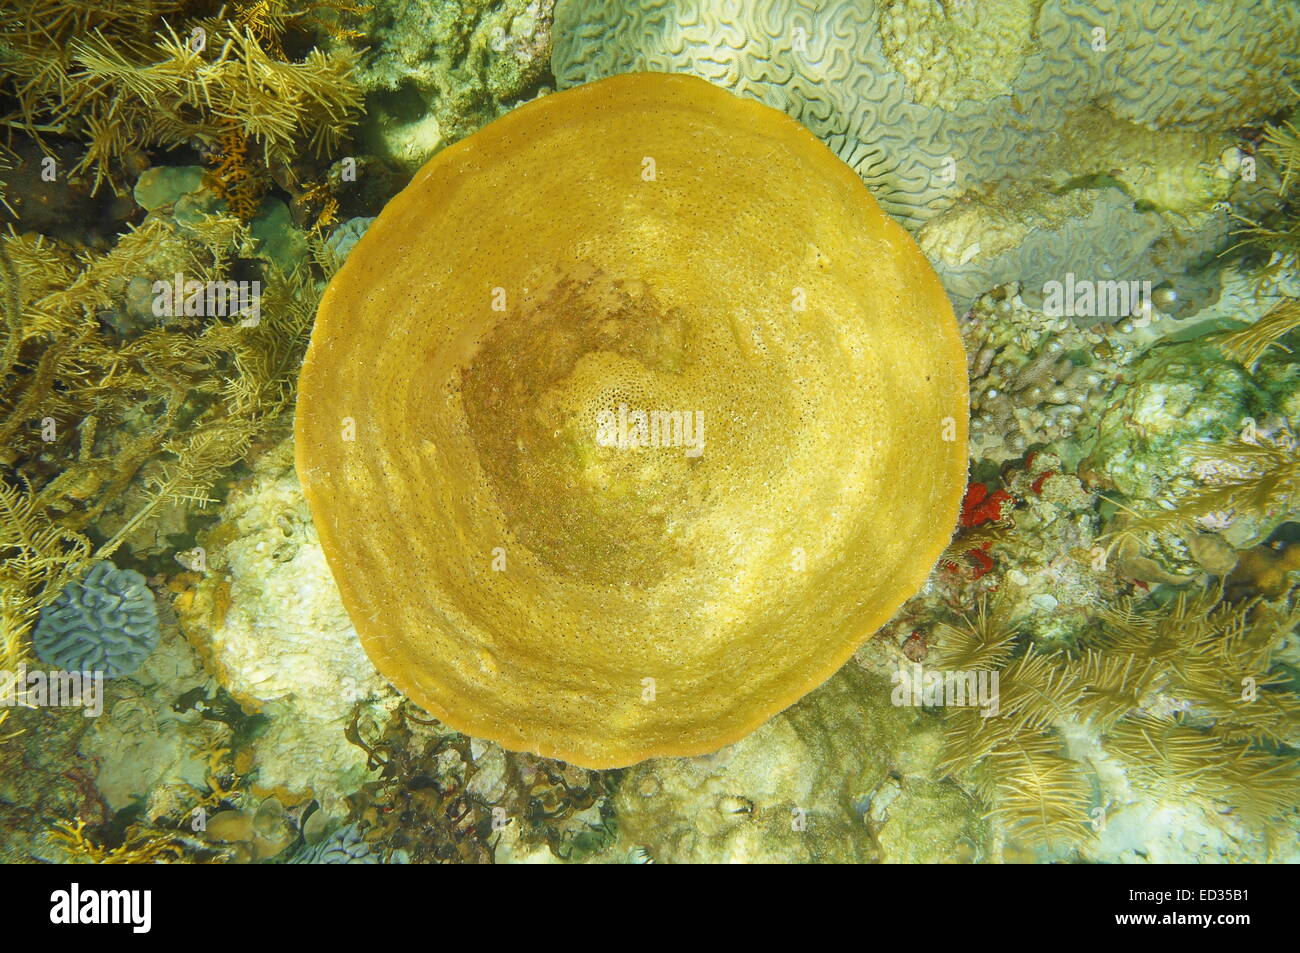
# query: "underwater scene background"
[1107,193]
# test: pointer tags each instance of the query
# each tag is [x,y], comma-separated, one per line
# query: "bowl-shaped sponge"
[628,421]
[106,623]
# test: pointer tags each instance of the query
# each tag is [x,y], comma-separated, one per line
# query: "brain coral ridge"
[1165,64]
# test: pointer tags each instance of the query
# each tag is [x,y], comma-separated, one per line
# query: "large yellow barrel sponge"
[654,243]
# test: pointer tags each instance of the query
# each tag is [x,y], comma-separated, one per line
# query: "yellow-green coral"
[1282,144]
[139,847]
[1247,345]
[1258,478]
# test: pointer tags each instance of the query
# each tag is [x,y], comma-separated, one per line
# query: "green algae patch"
[1180,395]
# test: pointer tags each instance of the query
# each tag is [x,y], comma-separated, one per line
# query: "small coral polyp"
[651,241]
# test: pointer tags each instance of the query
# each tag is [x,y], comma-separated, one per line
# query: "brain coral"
[935,102]
[889,86]
[648,243]
[1046,237]
[107,623]
[346,845]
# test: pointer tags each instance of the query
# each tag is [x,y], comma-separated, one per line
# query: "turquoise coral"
[346,845]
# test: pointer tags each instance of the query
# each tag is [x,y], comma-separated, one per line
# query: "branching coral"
[269,20]
[1282,144]
[1114,685]
[981,642]
[1213,656]
[1177,760]
[1041,795]
[234,176]
[1031,378]
[169,839]
[38,556]
[1262,476]
[1247,345]
[6,166]
[149,847]
[88,73]
[1010,757]
[1257,478]
[1276,228]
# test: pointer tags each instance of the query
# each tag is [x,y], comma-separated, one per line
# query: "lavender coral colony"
[106,623]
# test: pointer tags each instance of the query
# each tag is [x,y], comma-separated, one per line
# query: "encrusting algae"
[529,583]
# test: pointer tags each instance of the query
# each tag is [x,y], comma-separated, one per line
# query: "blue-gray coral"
[346,845]
[1057,236]
[344,238]
[107,623]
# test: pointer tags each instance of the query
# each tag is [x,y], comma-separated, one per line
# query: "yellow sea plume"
[628,421]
